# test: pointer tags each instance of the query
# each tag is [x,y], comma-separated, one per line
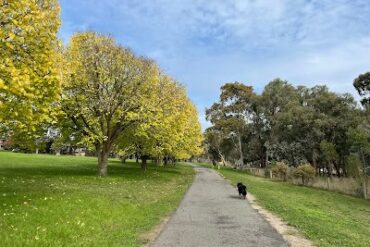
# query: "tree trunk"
[241,150]
[364,187]
[223,160]
[214,163]
[222,157]
[37,151]
[314,157]
[143,162]
[328,183]
[337,169]
[293,159]
[103,163]
[137,158]
[364,180]
[330,169]
[103,155]
[158,161]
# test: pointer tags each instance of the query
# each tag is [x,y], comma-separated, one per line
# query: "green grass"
[327,218]
[59,201]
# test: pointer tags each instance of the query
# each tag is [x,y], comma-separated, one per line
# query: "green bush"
[306,172]
[280,170]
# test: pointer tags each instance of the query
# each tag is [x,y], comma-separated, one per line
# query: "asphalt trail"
[211,214]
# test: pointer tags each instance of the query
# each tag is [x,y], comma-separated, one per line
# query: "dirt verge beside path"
[289,233]
[149,237]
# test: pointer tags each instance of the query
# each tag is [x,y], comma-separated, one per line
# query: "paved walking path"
[212,214]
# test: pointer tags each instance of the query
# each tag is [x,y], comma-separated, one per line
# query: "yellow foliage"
[29,77]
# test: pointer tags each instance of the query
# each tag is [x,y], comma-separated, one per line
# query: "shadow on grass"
[81,170]
[115,169]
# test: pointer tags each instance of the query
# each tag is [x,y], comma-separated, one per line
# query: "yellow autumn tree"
[191,139]
[171,130]
[29,57]
[105,90]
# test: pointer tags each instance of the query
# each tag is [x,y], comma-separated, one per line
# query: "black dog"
[242,189]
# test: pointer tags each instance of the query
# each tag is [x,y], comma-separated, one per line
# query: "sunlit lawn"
[59,201]
[327,218]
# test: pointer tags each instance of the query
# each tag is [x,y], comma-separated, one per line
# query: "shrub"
[280,170]
[306,172]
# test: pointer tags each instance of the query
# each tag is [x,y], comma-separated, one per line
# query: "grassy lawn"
[327,218]
[59,201]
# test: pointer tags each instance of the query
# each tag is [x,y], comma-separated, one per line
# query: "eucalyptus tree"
[213,139]
[362,85]
[287,123]
[233,112]
[359,139]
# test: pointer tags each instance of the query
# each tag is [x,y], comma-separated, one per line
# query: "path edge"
[152,235]
[289,233]
[156,231]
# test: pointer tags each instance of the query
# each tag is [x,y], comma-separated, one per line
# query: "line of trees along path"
[98,94]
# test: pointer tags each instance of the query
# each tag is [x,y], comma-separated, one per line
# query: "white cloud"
[206,43]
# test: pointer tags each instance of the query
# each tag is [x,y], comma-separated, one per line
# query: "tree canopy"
[118,100]
[29,63]
[362,85]
[285,123]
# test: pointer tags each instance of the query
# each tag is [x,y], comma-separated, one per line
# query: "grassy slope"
[327,218]
[59,201]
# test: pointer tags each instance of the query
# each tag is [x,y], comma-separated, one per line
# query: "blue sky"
[204,44]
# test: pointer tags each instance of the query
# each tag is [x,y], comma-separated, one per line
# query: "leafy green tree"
[212,140]
[359,139]
[287,123]
[330,154]
[233,112]
[278,98]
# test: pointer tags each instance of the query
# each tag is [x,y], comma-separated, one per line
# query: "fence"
[349,186]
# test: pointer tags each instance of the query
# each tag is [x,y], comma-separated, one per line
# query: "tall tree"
[359,140]
[105,90]
[233,112]
[29,58]
[171,130]
[212,142]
